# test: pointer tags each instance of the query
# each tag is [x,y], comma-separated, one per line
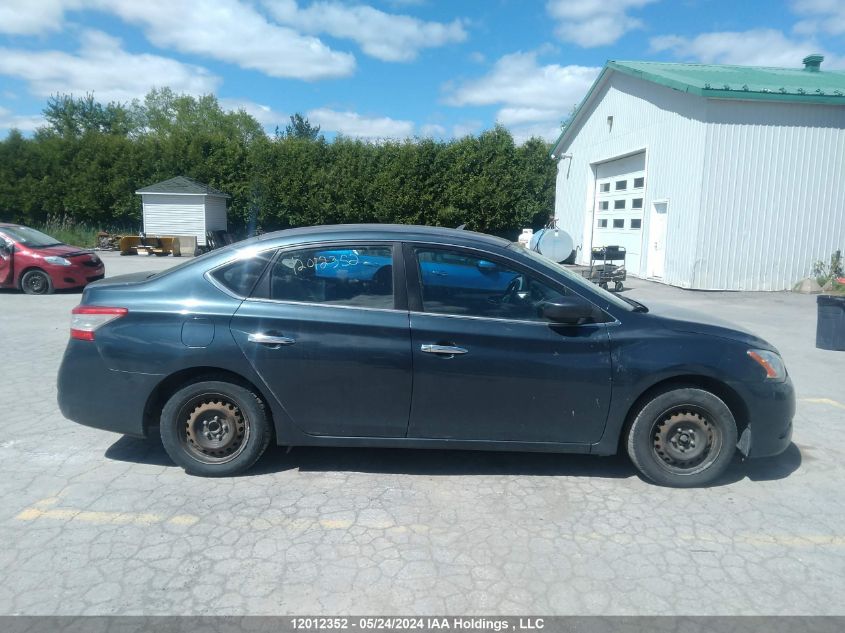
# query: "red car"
[39,264]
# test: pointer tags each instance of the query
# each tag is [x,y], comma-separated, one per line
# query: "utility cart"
[607,265]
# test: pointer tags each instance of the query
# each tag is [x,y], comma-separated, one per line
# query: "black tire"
[37,282]
[683,438]
[618,286]
[214,428]
[603,285]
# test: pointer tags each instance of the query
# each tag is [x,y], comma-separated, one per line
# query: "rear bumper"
[90,393]
[771,408]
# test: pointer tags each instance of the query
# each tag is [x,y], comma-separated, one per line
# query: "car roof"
[397,232]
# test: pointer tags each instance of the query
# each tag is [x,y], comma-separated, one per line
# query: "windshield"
[572,278]
[30,238]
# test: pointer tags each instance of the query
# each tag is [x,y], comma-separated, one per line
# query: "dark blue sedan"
[413,337]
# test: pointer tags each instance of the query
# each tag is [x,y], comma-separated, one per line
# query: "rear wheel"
[214,428]
[36,282]
[683,438]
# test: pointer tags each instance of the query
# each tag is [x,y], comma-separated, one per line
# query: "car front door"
[331,340]
[487,367]
[6,254]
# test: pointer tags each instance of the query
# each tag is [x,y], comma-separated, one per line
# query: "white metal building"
[712,177]
[183,206]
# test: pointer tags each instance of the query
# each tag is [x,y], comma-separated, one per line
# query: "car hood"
[61,250]
[686,320]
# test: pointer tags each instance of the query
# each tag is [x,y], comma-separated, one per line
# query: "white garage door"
[618,211]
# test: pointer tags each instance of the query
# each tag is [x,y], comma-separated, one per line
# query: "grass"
[66,229]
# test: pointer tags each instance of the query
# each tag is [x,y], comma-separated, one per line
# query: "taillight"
[86,320]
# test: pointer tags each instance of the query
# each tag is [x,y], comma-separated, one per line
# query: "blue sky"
[386,68]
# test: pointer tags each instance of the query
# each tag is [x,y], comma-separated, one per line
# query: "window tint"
[240,275]
[639,183]
[636,223]
[621,184]
[459,284]
[604,187]
[619,224]
[355,276]
[637,203]
[618,204]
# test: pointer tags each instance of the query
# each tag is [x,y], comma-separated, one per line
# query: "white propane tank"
[554,244]
[525,238]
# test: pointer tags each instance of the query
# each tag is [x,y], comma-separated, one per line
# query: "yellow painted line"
[828,401]
[42,510]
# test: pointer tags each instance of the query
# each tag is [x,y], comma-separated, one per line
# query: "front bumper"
[90,393]
[771,407]
[75,276]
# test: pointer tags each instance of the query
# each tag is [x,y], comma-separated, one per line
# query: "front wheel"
[683,437]
[36,282]
[214,428]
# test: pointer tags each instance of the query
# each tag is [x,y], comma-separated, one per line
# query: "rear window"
[241,275]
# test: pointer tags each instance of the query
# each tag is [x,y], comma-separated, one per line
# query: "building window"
[604,187]
[621,185]
[618,204]
[637,203]
[636,224]
[603,205]
[619,224]
[639,183]
[602,224]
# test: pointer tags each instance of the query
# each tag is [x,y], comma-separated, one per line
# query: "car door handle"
[268,339]
[440,273]
[443,350]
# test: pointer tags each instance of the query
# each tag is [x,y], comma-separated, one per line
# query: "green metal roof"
[746,83]
[183,185]
[742,82]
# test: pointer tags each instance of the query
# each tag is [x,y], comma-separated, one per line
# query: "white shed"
[713,177]
[183,206]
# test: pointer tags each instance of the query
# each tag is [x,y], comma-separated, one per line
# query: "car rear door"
[486,367]
[327,330]
[6,254]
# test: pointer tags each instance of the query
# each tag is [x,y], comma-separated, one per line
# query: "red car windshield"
[30,238]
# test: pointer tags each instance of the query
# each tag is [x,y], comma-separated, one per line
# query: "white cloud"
[264,114]
[820,16]
[385,36]
[234,32]
[756,47]
[527,92]
[432,130]
[590,23]
[22,122]
[30,17]
[231,31]
[103,67]
[459,130]
[356,125]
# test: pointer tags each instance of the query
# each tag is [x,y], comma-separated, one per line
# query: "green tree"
[299,127]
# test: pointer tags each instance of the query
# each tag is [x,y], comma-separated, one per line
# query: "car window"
[461,284]
[241,275]
[359,276]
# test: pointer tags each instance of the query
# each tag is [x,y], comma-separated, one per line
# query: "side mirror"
[570,311]
[487,267]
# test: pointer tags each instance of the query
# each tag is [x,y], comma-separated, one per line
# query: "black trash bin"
[830,324]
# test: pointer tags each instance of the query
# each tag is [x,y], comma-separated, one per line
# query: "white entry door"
[657,239]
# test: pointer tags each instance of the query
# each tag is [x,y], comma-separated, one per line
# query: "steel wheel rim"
[213,429]
[37,282]
[684,440]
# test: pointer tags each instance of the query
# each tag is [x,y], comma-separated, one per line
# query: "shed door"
[618,210]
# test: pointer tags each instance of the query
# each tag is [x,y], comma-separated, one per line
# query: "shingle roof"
[718,81]
[182,184]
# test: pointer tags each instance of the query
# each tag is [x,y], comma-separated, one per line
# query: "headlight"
[57,261]
[771,363]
